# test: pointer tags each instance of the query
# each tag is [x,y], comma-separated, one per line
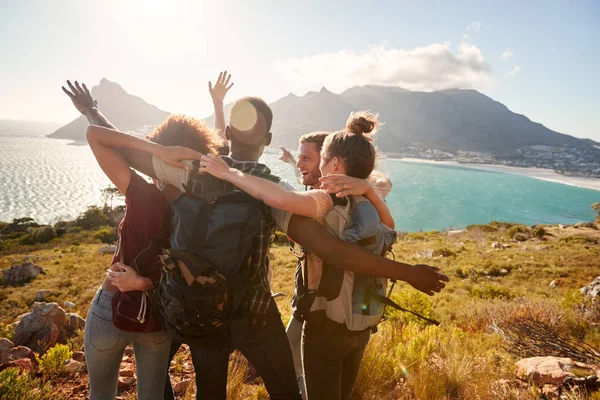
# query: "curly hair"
[181,130]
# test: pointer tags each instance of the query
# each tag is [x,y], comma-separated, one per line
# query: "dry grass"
[463,358]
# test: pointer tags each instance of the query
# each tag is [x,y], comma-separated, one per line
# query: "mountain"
[448,120]
[125,111]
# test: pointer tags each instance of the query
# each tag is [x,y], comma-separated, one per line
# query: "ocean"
[52,179]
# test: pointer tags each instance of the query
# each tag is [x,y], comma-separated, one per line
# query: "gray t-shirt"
[178,177]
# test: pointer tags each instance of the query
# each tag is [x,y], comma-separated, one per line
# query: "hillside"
[126,111]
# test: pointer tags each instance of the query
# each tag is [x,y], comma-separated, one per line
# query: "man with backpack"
[251,323]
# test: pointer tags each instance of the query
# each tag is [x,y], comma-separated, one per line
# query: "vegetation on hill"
[501,275]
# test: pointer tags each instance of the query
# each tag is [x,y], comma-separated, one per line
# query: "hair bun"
[362,122]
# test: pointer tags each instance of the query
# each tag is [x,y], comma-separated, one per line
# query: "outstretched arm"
[218,93]
[343,185]
[288,158]
[138,152]
[270,193]
[85,104]
[315,239]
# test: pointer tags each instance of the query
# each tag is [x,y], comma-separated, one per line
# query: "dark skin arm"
[315,239]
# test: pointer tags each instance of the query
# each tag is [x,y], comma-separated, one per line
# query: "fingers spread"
[67,92]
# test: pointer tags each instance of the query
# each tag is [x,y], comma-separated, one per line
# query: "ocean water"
[51,179]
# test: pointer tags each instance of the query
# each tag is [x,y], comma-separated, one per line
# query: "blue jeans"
[104,346]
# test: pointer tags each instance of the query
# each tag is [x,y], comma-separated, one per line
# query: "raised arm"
[218,93]
[315,239]
[85,104]
[270,193]
[138,152]
[343,185]
[288,158]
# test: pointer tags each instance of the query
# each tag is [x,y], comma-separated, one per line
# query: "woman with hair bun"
[331,357]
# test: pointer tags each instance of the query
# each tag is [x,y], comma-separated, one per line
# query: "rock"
[498,245]
[79,356]
[551,370]
[592,289]
[521,237]
[22,273]
[554,284]
[127,371]
[181,388]
[41,328]
[590,225]
[8,352]
[68,305]
[23,365]
[456,231]
[561,226]
[108,249]
[126,381]
[42,295]
[73,323]
[73,367]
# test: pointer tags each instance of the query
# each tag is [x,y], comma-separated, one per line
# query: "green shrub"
[106,234]
[490,292]
[52,362]
[412,300]
[94,217]
[483,228]
[538,231]
[514,230]
[579,239]
[502,225]
[15,385]
[7,332]
[443,252]
[43,234]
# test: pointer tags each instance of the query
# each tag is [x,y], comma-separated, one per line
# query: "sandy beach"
[537,173]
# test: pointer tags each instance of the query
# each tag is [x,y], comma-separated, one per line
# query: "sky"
[539,58]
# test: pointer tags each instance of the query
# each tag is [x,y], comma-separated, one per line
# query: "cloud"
[513,72]
[465,36]
[507,54]
[474,27]
[429,68]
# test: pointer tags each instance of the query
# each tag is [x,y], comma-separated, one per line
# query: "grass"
[463,358]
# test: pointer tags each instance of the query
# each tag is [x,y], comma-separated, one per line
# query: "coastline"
[532,172]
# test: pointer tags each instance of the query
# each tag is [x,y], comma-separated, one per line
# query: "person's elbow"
[92,133]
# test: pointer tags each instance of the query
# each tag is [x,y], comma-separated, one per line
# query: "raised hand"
[427,279]
[221,87]
[173,155]
[286,155]
[343,185]
[214,166]
[81,97]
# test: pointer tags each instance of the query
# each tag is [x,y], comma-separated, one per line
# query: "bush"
[443,252]
[490,292]
[15,385]
[94,217]
[517,229]
[106,234]
[414,301]
[538,231]
[421,235]
[42,234]
[596,207]
[52,362]
[579,239]
[483,228]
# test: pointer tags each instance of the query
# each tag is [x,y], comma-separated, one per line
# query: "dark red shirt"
[146,212]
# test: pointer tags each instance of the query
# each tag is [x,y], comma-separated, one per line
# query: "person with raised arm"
[116,317]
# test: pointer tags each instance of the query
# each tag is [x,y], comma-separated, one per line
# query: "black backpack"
[207,270]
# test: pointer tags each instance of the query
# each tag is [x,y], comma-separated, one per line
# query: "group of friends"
[318,356]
